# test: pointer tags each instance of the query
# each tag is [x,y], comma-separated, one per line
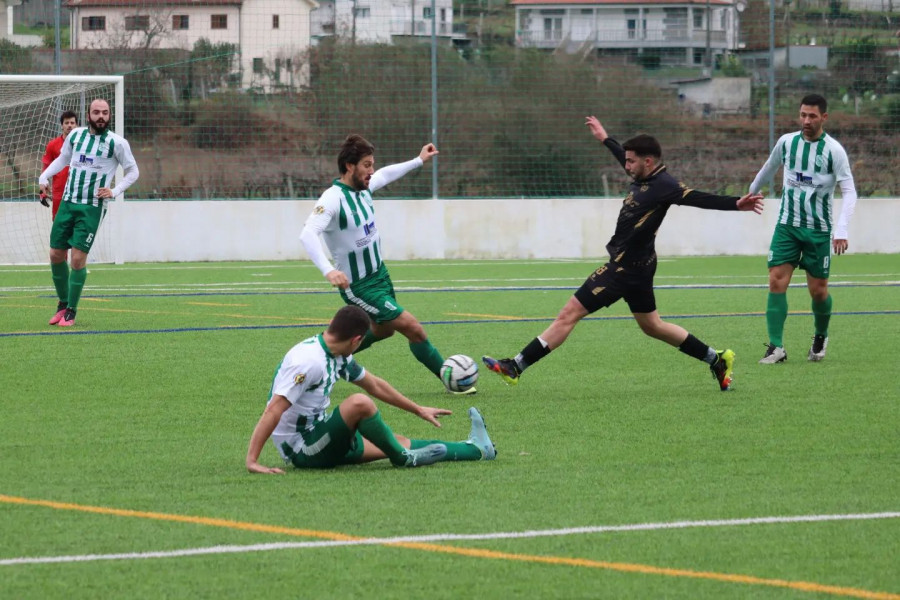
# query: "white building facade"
[688,33]
[268,33]
[382,21]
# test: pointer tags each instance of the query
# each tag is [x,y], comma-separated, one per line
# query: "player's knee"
[360,405]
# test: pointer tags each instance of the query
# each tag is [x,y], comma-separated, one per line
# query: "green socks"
[61,280]
[376,431]
[776,313]
[76,284]
[368,340]
[822,315]
[455,450]
[428,355]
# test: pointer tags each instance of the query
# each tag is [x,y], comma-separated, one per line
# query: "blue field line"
[413,290]
[455,322]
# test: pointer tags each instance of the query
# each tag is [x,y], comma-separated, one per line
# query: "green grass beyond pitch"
[148,403]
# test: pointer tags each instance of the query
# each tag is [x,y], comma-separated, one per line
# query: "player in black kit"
[632,261]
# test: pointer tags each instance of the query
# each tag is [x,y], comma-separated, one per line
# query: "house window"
[278,70]
[93,23]
[137,23]
[258,65]
[699,56]
[698,18]
[275,22]
[218,22]
[362,12]
[632,29]
[553,29]
[179,21]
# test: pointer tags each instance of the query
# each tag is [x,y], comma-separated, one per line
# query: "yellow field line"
[502,317]
[188,314]
[803,586]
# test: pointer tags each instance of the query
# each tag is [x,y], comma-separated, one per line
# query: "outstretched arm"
[599,132]
[752,202]
[263,431]
[768,170]
[379,388]
[391,173]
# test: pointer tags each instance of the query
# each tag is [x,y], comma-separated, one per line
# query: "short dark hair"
[69,114]
[354,148]
[815,100]
[644,145]
[349,322]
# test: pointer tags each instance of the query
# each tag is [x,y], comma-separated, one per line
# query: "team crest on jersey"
[820,161]
[629,200]
[319,210]
[299,378]
[645,187]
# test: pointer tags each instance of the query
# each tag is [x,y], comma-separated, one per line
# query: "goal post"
[31,106]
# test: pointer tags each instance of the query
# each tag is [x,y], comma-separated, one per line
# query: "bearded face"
[99,125]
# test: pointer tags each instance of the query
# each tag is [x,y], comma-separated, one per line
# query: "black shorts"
[610,282]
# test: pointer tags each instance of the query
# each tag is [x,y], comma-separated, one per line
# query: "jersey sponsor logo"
[801,180]
[299,378]
[370,231]
[85,160]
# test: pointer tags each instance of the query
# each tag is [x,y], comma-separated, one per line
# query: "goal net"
[31,107]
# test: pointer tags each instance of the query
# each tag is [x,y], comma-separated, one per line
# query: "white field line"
[293,286]
[445,537]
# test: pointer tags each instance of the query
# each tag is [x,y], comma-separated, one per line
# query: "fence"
[244,101]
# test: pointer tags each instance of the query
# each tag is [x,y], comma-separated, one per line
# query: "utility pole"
[787,42]
[708,48]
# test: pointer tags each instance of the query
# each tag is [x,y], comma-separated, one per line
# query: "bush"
[227,122]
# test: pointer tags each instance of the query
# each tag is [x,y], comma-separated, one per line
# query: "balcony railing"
[422,27]
[625,38]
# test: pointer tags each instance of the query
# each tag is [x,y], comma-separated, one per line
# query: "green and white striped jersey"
[92,161]
[811,171]
[345,218]
[305,377]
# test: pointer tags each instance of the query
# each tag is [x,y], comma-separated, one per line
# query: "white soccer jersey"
[92,161]
[811,170]
[346,220]
[305,377]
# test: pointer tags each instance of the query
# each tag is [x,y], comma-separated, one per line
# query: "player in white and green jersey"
[308,435]
[92,154]
[344,217]
[814,164]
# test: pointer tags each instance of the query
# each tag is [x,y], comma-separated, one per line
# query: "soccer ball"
[459,373]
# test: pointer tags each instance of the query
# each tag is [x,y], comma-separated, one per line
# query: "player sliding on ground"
[632,261]
[308,435]
[345,218]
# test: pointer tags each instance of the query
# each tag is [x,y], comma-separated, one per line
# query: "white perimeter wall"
[508,228]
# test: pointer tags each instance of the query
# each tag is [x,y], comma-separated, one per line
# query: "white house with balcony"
[268,33]
[382,21]
[678,32]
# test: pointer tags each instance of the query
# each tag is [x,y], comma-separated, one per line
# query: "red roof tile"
[149,3]
[620,2]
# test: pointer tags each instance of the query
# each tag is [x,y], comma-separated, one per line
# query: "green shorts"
[76,226]
[375,295]
[807,248]
[328,444]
